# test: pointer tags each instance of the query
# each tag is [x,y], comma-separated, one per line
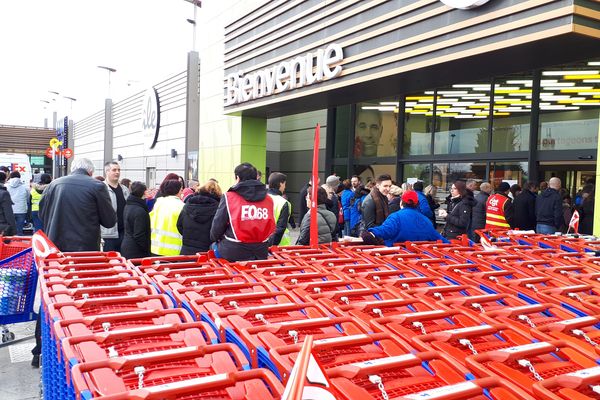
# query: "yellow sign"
[54,143]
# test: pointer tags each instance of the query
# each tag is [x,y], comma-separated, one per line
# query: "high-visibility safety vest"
[35,200]
[251,222]
[278,203]
[494,212]
[165,239]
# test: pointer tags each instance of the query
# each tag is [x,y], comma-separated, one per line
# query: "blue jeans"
[20,220]
[545,229]
[37,222]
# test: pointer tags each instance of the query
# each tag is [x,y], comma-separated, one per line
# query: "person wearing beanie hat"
[408,224]
[333,204]
[499,209]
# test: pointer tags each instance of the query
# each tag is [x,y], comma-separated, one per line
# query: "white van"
[17,162]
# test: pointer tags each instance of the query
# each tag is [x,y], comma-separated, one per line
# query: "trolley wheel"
[7,337]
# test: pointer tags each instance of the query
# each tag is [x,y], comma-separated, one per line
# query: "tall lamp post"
[69,135]
[108,126]
[110,70]
[46,103]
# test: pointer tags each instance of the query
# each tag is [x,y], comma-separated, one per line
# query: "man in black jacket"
[524,206]
[244,221]
[478,212]
[548,209]
[8,225]
[277,183]
[73,208]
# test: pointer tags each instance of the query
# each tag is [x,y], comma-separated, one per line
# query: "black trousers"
[37,350]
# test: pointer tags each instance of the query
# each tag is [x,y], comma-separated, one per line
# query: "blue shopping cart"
[18,282]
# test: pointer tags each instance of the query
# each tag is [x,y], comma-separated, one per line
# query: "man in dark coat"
[244,222]
[524,207]
[375,206]
[8,225]
[196,218]
[136,240]
[548,209]
[478,212]
[74,207]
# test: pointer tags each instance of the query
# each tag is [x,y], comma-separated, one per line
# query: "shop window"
[511,172]
[368,173]
[343,125]
[462,113]
[444,174]
[512,113]
[376,129]
[417,172]
[570,107]
[418,120]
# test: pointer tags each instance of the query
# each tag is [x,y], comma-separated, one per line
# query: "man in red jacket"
[499,209]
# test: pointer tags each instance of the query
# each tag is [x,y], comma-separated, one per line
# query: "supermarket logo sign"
[305,70]
[464,4]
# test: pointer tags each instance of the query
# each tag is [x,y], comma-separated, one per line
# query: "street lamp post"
[110,70]
[45,115]
[196,4]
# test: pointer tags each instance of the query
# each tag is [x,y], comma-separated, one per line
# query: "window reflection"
[414,172]
[512,113]
[368,173]
[444,174]
[417,124]
[511,172]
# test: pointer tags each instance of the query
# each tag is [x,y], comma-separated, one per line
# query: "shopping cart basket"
[18,281]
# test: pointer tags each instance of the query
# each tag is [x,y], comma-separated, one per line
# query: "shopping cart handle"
[580,379]
[417,316]
[299,324]
[365,368]
[570,324]
[527,281]
[442,289]
[469,300]
[462,333]
[562,290]
[518,352]
[515,311]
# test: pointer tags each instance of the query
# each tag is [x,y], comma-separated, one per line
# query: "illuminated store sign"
[464,4]
[301,71]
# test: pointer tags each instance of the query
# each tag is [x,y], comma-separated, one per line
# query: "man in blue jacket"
[408,224]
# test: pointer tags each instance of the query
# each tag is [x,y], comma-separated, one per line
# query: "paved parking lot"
[18,379]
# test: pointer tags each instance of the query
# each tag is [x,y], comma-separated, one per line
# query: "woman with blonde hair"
[430,192]
[196,218]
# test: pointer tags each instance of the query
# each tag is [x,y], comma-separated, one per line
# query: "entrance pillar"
[596,230]
[253,147]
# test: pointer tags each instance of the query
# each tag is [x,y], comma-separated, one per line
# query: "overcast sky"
[57,45]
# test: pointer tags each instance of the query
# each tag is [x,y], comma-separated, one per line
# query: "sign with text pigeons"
[150,117]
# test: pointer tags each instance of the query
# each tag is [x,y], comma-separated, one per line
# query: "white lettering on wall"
[296,73]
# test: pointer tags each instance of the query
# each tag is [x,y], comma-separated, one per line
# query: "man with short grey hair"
[118,193]
[548,209]
[73,208]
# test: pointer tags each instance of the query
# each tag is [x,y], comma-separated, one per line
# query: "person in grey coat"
[19,193]
[478,212]
[326,220]
[8,226]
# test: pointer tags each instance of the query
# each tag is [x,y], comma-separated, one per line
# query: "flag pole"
[296,382]
[314,227]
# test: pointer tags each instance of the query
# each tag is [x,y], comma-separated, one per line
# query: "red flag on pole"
[307,380]
[314,228]
[574,223]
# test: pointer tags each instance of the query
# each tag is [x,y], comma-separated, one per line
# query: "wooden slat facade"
[24,139]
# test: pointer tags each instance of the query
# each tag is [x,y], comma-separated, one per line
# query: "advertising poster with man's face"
[375,132]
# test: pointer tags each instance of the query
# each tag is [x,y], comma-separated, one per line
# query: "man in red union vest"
[499,209]
[244,223]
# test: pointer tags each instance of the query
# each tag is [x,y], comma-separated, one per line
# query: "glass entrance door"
[572,175]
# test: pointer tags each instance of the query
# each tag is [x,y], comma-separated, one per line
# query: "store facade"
[498,90]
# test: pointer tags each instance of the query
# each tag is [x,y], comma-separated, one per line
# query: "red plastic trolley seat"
[220,289]
[83,293]
[335,299]
[579,385]
[270,273]
[106,305]
[342,351]
[367,310]
[123,320]
[527,364]
[242,318]
[272,336]
[397,376]
[462,342]
[125,373]
[209,305]
[256,384]
[140,340]
[408,325]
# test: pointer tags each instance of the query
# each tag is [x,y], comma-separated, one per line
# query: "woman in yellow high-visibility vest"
[37,190]
[165,239]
